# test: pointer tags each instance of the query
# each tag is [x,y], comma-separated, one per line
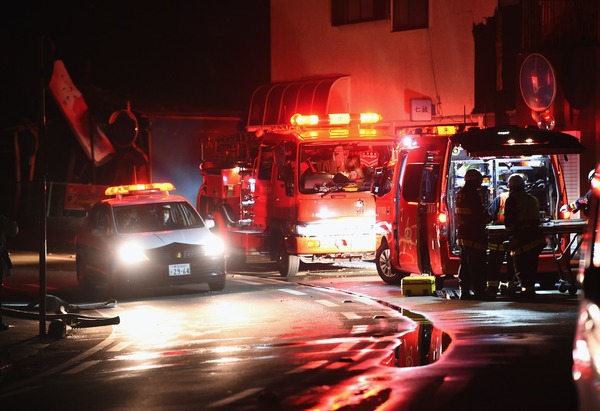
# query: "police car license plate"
[179,269]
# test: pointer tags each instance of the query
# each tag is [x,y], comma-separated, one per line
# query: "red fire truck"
[298,192]
[415,194]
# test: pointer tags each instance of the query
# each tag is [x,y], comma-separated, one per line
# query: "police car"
[144,236]
[586,348]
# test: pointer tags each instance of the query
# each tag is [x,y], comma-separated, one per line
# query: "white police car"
[144,236]
[586,347]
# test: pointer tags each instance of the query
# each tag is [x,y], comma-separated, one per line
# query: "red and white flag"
[74,108]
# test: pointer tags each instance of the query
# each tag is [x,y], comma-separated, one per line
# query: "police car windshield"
[141,218]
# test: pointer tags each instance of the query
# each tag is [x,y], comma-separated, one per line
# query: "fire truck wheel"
[383,262]
[287,264]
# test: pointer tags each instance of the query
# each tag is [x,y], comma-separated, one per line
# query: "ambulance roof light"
[139,189]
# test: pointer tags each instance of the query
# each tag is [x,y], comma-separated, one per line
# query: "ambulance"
[297,192]
[415,194]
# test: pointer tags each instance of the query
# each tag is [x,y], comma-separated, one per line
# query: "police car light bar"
[139,189]
[335,119]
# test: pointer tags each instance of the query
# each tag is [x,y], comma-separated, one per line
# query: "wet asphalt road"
[505,354]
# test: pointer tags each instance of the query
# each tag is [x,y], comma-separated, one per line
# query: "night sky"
[165,54]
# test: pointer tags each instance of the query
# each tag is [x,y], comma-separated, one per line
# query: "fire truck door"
[262,193]
[281,201]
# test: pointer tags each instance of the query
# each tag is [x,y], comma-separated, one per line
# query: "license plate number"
[179,269]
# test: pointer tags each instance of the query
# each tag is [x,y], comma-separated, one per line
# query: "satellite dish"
[538,82]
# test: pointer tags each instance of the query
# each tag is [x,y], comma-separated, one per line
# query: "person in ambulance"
[582,203]
[472,217]
[496,277]
[526,241]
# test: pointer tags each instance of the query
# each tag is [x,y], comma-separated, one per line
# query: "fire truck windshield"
[340,165]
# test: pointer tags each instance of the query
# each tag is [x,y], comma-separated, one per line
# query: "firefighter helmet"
[473,175]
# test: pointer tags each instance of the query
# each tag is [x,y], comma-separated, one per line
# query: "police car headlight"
[131,253]
[216,246]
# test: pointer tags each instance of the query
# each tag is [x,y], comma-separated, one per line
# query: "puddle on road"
[422,346]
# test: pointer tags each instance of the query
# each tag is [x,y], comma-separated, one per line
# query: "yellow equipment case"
[418,285]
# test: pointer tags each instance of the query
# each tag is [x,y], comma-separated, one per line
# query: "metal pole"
[43,172]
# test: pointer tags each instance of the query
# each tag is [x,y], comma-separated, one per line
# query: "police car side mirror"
[209,223]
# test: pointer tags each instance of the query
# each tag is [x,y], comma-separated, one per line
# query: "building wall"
[387,69]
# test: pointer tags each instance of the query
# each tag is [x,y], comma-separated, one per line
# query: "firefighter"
[526,241]
[471,218]
[581,203]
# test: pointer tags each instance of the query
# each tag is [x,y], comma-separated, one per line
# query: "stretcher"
[554,230]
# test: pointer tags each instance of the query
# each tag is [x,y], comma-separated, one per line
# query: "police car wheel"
[217,285]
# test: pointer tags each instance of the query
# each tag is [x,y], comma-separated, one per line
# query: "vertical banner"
[74,108]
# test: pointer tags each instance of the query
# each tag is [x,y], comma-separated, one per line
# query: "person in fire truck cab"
[526,240]
[471,218]
[341,164]
[582,203]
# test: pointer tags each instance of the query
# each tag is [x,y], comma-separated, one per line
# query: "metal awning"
[274,103]
[517,141]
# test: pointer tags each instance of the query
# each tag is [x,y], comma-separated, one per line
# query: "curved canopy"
[273,104]
[513,140]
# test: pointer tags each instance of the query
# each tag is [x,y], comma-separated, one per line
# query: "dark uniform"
[471,219]
[582,203]
[7,228]
[522,220]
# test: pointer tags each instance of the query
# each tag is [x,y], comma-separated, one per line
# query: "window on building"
[358,11]
[410,14]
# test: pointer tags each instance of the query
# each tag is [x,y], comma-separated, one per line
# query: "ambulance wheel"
[287,264]
[383,262]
